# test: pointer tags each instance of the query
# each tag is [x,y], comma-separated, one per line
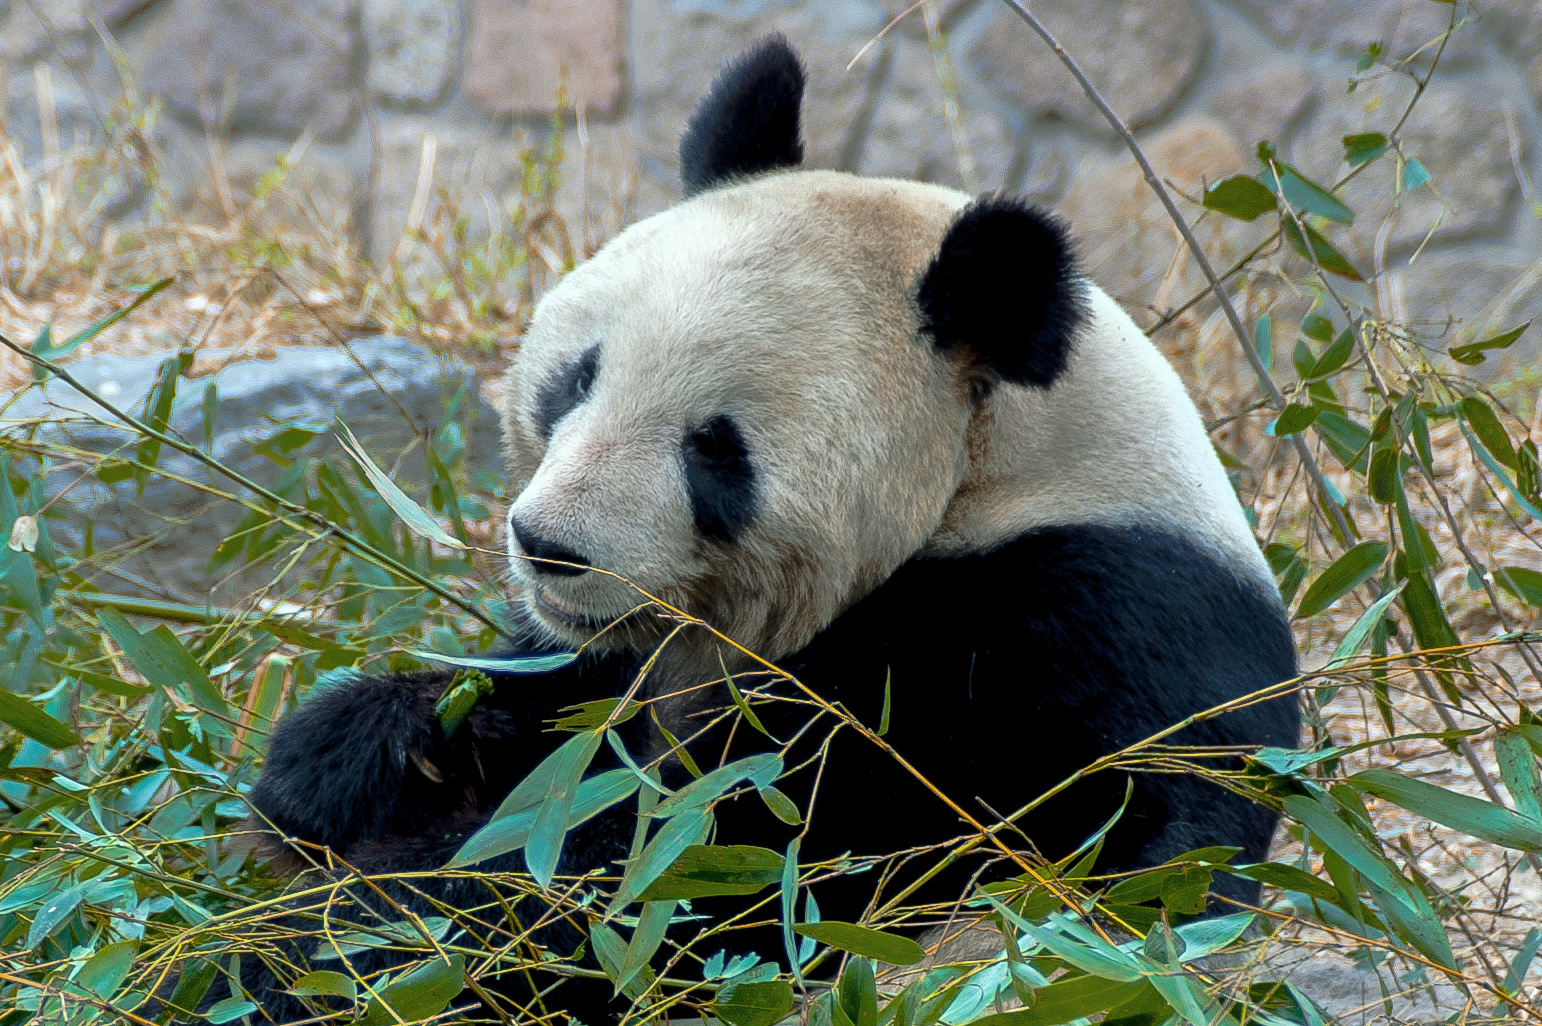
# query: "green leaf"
[1524,584]
[1472,353]
[1518,769]
[162,660]
[1240,196]
[1516,976]
[758,769]
[681,832]
[1363,147]
[1346,573]
[1316,326]
[1386,476]
[588,715]
[233,1008]
[193,984]
[457,701]
[510,833]
[781,806]
[424,992]
[1306,196]
[861,940]
[741,704]
[550,828]
[408,511]
[32,721]
[646,939]
[325,983]
[1414,174]
[789,898]
[754,1004]
[883,717]
[1288,878]
[107,969]
[1263,341]
[857,993]
[1473,816]
[1335,356]
[1487,459]
[1354,639]
[1481,418]
[508,664]
[1328,258]
[53,914]
[702,870]
[1069,1000]
[1294,418]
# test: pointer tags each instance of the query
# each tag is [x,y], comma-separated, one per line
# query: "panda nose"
[538,548]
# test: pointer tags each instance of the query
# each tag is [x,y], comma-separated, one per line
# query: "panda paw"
[365,758]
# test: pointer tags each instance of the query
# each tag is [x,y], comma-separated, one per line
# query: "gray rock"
[1142,55]
[522,52]
[413,46]
[290,66]
[1346,26]
[677,46]
[29,30]
[176,528]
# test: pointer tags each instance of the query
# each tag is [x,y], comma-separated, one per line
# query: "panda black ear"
[748,121]
[1004,286]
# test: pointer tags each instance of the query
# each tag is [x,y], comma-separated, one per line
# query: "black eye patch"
[564,390]
[720,479]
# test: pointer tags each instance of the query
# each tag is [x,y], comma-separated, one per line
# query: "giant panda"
[890,439]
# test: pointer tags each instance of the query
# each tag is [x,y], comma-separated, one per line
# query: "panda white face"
[732,408]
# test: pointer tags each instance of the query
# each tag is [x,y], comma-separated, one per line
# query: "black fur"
[1004,288]
[720,478]
[748,121]
[1009,670]
[570,386]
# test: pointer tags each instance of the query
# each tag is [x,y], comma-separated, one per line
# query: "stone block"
[179,526]
[289,66]
[678,45]
[413,46]
[520,51]
[1142,55]
[28,31]
[116,12]
[1346,26]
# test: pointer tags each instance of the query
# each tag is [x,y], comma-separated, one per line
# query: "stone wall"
[1202,80]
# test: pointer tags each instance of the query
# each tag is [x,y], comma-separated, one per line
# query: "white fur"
[788,303]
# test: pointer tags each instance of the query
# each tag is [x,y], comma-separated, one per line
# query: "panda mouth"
[557,610]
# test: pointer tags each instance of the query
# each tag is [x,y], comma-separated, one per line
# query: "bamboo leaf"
[550,828]
[681,832]
[1363,147]
[1518,769]
[861,940]
[1346,573]
[32,721]
[421,994]
[1241,196]
[1480,417]
[758,769]
[505,664]
[1328,258]
[703,870]
[1354,638]
[1293,419]
[1524,584]
[409,512]
[1472,353]
[1473,816]
[45,348]
[754,1004]
[646,939]
[325,983]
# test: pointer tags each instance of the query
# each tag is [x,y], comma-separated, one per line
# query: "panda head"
[757,404]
